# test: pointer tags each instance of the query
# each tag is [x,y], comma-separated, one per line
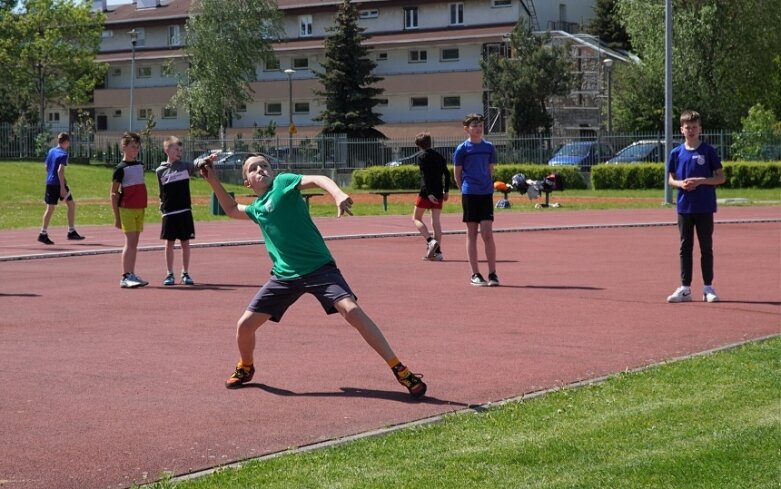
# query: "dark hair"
[63,137]
[130,137]
[473,117]
[423,140]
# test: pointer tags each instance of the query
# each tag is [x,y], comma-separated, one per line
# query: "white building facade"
[427,52]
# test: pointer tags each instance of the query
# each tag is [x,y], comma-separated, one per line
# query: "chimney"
[99,5]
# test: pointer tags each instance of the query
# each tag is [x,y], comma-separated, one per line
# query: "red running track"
[101,387]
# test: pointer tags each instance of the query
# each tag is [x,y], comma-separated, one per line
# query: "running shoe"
[169,279]
[73,235]
[44,238]
[478,280]
[130,281]
[709,294]
[431,248]
[186,280]
[681,294]
[417,388]
[240,377]
[493,280]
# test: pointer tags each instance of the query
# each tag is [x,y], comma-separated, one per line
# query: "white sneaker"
[709,294]
[130,281]
[681,294]
[431,248]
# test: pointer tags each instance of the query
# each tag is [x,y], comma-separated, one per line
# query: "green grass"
[21,198]
[708,422]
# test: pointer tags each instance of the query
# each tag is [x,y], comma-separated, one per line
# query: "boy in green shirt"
[301,263]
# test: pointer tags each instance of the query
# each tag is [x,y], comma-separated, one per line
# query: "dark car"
[236,159]
[645,151]
[583,154]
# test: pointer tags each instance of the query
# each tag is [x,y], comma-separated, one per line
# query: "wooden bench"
[309,195]
[386,193]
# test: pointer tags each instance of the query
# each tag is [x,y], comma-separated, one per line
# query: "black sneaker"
[493,280]
[417,388]
[74,235]
[478,280]
[44,238]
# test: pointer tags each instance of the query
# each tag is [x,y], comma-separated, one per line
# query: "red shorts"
[424,203]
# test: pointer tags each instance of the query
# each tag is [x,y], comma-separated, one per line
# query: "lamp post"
[609,68]
[290,127]
[133,40]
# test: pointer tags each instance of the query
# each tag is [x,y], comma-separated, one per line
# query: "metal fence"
[340,154]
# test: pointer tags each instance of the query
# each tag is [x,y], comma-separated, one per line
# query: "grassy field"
[21,198]
[704,423]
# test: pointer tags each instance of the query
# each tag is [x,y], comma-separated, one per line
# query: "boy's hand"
[432,199]
[205,165]
[344,205]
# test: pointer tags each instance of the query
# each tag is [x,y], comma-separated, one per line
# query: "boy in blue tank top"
[695,168]
[301,263]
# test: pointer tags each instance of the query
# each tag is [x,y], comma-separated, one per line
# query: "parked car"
[643,151]
[230,159]
[583,154]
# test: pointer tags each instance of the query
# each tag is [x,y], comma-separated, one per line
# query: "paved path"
[101,387]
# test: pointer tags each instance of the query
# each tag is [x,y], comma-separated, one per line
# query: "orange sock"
[393,362]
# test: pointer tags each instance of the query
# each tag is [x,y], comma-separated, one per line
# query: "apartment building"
[427,52]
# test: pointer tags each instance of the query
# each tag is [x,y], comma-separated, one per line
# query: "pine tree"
[347,78]
[607,26]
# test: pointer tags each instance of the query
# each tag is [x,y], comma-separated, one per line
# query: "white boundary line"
[400,234]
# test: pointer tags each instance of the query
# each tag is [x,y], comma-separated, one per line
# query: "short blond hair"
[169,141]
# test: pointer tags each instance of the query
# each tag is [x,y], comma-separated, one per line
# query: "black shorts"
[178,226]
[477,208]
[326,283]
[52,195]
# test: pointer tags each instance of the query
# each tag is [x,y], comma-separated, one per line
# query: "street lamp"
[609,67]
[133,40]
[290,127]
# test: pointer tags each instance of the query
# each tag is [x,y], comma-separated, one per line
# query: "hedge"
[652,175]
[408,176]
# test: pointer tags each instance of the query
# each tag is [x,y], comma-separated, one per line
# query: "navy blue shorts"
[326,284]
[52,195]
[477,208]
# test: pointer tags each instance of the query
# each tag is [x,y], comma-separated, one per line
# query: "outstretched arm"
[343,201]
[229,205]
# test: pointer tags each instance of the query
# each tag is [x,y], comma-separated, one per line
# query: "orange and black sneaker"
[417,388]
[240,376]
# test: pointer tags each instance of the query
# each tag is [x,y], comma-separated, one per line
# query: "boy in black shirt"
[433,170]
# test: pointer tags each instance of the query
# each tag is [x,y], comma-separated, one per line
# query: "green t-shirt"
[294,243]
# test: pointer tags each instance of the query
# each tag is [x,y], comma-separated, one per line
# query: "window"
[502,3]
[169,113]
[418,102]
[449,54]
[54,117]
[241,108]
[271,65]
[144,114]
[116,71]
[410,17]
[167,70]
[174,35]
[107,34]
[456,14]
[144,72]
[118,113]
[300,63]
[273,108]
[382,102]
[140,37]
[301,108]
[304,25]
[382,56]
[451,102]
[369,14]
[418,56]
[562,12]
